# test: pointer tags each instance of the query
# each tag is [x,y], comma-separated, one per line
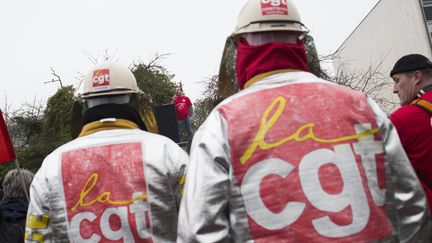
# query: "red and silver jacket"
[116,185]
[294,158]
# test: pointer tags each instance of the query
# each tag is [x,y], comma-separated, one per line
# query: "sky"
[36,36]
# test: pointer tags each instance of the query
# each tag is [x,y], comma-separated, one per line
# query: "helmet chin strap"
[422,91]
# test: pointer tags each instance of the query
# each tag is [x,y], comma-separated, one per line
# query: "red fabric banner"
[7,152]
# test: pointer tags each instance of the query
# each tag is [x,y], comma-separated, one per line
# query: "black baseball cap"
[409,63]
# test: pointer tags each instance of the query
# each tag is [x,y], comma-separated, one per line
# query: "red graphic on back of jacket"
[106,195]
[310,167]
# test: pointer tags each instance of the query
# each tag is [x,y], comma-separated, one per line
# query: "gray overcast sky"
[39,34]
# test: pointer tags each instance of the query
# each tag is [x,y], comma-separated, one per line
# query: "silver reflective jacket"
[294,158]
[120,185]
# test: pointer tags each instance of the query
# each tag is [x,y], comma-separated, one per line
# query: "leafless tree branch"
[54,80]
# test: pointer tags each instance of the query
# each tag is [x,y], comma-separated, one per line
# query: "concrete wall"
[392,29]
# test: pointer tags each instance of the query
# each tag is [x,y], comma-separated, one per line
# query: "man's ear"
[418,77]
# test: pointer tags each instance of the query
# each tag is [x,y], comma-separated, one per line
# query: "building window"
[428,13]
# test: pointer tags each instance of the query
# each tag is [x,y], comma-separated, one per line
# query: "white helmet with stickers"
[112,83]
[269,15]
[259,22]
[108,79]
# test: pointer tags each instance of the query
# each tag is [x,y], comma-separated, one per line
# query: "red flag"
[7,152]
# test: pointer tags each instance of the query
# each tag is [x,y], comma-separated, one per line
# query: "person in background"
[10,232]
[294,158]
[115,182]
[15,203]
[184,110]
[412,75]
[1,192]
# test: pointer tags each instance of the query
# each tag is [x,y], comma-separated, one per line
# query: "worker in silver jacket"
[115,182]
[294,158]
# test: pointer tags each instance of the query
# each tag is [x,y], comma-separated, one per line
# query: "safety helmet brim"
[109,93]
[271,26]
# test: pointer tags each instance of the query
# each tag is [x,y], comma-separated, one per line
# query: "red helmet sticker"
[101,77]
[271,7]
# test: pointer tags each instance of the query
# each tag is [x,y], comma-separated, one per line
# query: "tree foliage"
[155,80]
[204,106]
[36,132]
[57,116]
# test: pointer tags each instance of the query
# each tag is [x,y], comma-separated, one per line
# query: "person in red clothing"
[183,112]
[413,84]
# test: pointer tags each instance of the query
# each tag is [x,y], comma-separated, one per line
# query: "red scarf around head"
[253,60]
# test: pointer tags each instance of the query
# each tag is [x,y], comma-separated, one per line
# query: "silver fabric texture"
[216,207]
[145,156]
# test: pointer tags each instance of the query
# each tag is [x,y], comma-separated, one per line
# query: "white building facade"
[392,29]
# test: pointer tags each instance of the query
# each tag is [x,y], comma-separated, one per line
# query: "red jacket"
[414,126]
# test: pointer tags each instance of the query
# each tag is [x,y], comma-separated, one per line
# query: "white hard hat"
[109,79]
[268,15]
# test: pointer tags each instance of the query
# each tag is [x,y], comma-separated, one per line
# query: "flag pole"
[22,180]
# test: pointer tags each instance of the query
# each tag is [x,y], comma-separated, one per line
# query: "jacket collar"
[265,75]
[107,124]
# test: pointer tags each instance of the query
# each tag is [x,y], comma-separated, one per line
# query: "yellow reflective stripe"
[425,104]
[265,75]
[182,180]
[97,126]
[38,221]
[37,237]
[181,184]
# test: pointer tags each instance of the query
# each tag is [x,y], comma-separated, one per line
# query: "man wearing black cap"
[413,84]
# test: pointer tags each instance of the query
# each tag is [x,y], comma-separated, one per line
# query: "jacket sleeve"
[38,225]
[413,221]
[203,213]
[181,160]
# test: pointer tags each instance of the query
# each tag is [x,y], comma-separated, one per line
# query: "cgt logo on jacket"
[106,193]
[308,172]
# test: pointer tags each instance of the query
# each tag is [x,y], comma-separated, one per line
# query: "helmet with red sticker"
[109,79]
[111,83]
[259,22]
[269,15]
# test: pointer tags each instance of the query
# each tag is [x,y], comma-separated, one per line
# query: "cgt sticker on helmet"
[271,7]
[101,78]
